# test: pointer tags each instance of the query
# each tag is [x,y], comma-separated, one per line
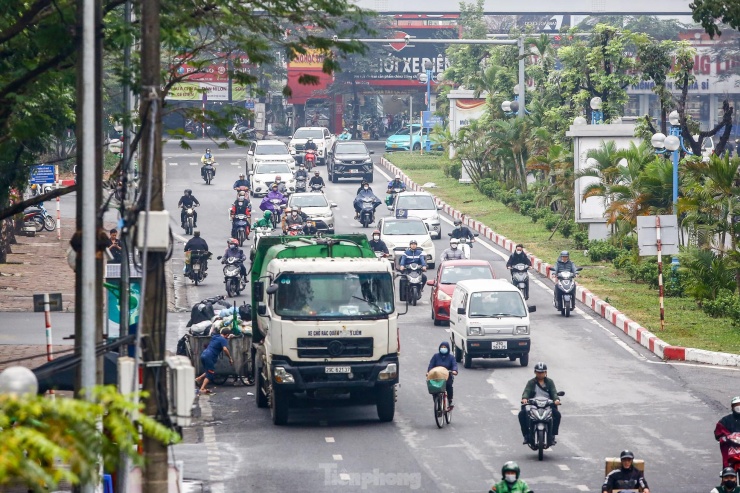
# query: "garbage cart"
[240,348]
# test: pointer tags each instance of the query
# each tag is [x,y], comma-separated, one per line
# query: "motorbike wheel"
[50,224]
[196,279]
[38,223]
[566,311]
[208,178]
[414,295]
[219,379]
[540,444]
[240,236]
[231,288]
[189,226]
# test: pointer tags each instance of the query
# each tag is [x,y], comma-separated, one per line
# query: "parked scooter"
[410,284]
[540,435]
[565,292]
[40,218]
[189,219]
[520,278]
[300,184]
[208,171]
[198,265]
[232,278]
[367,213]
[241,130]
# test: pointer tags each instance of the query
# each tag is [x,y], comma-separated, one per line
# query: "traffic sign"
[430,120]
[55,302]
[249,104]
[43,174]
[647,235]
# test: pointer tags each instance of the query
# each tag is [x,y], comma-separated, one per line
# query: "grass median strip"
[686,325]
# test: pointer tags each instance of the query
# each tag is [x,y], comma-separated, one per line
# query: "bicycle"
[442,412]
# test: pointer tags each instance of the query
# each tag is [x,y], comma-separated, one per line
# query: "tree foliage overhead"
[710,13]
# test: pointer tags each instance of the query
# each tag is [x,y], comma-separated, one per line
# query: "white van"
[489,319]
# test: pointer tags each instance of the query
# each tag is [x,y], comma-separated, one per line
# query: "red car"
[450,273]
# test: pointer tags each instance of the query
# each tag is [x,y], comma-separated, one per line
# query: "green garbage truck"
[324,324]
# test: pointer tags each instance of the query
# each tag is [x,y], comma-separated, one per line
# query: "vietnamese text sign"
[430,120]
[43,173]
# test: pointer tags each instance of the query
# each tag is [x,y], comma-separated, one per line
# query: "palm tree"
[488,81]
[554,173]
[511,138]
[605,163]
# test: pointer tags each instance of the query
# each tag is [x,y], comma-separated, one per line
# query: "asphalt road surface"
[618,396]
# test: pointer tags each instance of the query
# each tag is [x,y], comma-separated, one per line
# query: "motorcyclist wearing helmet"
[540,387]
[280,184]
[316,179]
[510,482]
[292,218]
[396,182]
[240,206]
[414,255]
[241,182]
[346,135]
[727,426]
[186,201]
[518,257]
[627,477]
[310,144]
[301,173]
[729,482]
[377,244]
[363,192]
[564,264]
[273,194]
[207,158]
[454,252]
[462,231]
[265,221]
[233,251]
[444,358]
[194,244]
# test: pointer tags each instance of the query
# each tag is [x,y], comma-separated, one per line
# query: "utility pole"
[153,323]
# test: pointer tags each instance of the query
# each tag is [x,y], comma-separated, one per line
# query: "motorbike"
[410,284]
[300,184]
[40,217]
[294,230]
[391,197]
[208,171]
[310,228]
[317,188]
[277,210]
[189,219]
[238,190]
[241,224]
[198,265]
[367,212]
[520,278]
[565,292]
[309,159]
[241,130]
[540,435]
[196,129]
[465,245]
[733,454]
[232,278]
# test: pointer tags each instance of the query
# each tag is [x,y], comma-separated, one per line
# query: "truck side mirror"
[262,309]
[461,310]
[531,308]
[258,290]
[272,289]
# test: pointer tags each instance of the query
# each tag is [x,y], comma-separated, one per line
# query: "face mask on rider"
[366,188]
[729,484]
[294,214]
[510,478]
[453,246]
[443,350]
[518,250]
[736,410]
[376,237]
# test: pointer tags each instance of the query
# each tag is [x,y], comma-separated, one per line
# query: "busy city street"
[617,396]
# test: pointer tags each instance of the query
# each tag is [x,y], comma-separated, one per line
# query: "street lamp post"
[597,116]
[426,78]
[512,107]
[672,143]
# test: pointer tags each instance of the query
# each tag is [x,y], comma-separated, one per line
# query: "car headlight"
[282,375]
[475,331]
[389,373]
[369,161]
[521,329]
[442,296]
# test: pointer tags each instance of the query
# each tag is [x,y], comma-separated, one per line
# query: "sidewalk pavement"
[600,307]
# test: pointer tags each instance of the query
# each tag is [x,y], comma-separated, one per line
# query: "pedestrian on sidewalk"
[208,358]
[114,247]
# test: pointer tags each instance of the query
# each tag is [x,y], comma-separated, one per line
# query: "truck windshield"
[497,304]
[334,295]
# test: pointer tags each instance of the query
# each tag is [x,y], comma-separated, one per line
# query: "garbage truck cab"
[324,323]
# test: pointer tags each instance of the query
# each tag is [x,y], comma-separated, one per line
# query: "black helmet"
[540,367]
[511,466]
[728,471]
[626,454]
[188,191]
[364,182]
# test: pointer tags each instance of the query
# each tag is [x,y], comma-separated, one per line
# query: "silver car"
[421,205]
[317,208]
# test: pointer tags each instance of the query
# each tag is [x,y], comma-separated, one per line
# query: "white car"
[397,233]
[317,208]
[263,174]
[268,151]
[421,205]
[321,137]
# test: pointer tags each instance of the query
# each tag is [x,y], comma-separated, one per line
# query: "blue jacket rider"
[445,358]
[415,255]
[233,251]
[241,182]
[365,192]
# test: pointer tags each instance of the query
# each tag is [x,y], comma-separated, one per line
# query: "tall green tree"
[712,13]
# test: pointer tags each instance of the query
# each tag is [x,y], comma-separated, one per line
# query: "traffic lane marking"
[329,439]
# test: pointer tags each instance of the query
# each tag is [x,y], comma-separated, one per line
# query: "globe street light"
[426,78]
[18,380]
[597,116]
[671,144]
[579,120]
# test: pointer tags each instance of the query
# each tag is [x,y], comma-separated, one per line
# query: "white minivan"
[489,319]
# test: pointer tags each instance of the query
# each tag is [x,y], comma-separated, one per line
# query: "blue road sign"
[43,174]
[430,120]
[249,104]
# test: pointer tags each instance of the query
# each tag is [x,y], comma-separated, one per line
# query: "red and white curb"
[603,309]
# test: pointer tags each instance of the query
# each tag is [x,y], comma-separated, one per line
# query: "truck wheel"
[524,359]
[386,403]
[334,178]
[468,360]
[458,353]
[262,402]
[279,407]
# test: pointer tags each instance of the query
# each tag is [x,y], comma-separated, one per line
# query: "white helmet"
[454,241]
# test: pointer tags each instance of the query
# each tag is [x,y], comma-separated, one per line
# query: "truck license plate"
[353,171]
[338,369]
[498,345]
